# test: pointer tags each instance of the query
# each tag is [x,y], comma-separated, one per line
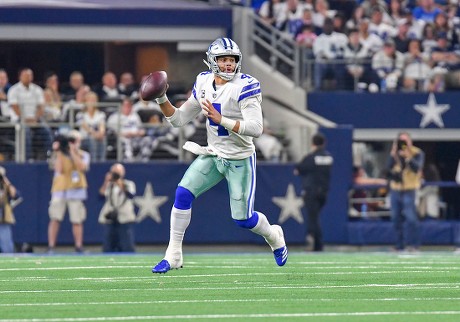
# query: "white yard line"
[277,300]
[233,316]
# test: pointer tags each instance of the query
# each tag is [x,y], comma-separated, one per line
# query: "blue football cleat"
[162,267]
[281,255]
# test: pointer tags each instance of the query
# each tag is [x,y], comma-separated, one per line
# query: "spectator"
[355,55]
[108,92]
[76,82]
[92,128]
[379,27]
[127,87]
[321,13]
[396,13]
[315,171]
[27,101]
[5,85]
[417,68]
[69,188]
[339,23]
[306,38]
[428,195]
[429,41]
[356,18]
[388,66]
[290,18]
[7,193]
[270,10]
[372,42]
[128,125]
[117,214]
[402,38]
[71,108]
[426,11]
[360,178]
[328,48]
[441,25]
[405,166]
[444,56]
[268,144]
[371,5]
[53,102]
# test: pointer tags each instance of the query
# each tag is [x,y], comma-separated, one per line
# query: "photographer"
[69,188]
[7,193]
[117,214]
[405,172]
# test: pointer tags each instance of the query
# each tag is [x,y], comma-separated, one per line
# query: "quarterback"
[231,102]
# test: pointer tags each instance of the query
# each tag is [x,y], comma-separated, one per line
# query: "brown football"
[154,85]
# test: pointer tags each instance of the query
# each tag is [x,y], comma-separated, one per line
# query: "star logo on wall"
[149,204]
[431,111]
[291,205]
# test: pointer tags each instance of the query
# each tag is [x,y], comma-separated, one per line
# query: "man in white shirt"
[27,101]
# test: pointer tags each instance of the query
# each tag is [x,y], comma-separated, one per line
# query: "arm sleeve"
[252,124]
[416,163]
[187,112]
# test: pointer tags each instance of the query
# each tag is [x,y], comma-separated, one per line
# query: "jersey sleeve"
[250,88]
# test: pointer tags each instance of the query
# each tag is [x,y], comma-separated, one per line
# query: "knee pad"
[248,223]
[183,198]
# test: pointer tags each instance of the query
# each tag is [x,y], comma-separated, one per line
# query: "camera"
[64,141]
[114,176]
[402,145]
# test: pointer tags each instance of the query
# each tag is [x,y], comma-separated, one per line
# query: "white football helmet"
[223,47]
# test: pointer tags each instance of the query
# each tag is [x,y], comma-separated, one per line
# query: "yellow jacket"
[69,178]
[410,171]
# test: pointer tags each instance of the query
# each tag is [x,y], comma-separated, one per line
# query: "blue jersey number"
[221,131]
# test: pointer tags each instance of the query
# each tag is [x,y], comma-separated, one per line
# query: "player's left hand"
[210,112]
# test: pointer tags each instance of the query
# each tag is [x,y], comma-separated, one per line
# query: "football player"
[231,101]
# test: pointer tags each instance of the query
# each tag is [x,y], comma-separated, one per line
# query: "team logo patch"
[214,95]
[203,93]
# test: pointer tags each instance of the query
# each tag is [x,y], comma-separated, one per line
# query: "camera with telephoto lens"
[64,141]
[402,145]
[114,176]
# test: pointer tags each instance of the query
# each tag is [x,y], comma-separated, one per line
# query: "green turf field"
[361,286]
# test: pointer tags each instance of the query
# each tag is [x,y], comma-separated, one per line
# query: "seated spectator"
[127,125]
[306,39]
[396,13]
[4,87]
[92,128]
[53,102]
[426,11]
[76,82]
[75,105]
[428,38]
[370,5]
[146,105]
[321,13]
[268,144]
[328,49]
[356,18]
[270,11]
[360,178]
[339,23]
[436,83]
[127,87]
[388,66]
[417,68]
[372,42]
[355,55]
[444,56]
[379,27]
[108,92]
[402,38]
[307,20]
[290,18]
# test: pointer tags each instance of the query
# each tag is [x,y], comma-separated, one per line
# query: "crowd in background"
[375,45]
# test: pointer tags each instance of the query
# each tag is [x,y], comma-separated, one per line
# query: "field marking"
[392,299]
[252,287]
[233,316]
[154,277]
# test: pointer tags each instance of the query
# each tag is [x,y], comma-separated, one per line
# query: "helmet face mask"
[223,47]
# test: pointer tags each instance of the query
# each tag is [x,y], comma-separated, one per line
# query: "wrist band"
[229,124]
[161,99]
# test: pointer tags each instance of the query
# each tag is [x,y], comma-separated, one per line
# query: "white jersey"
[239,100]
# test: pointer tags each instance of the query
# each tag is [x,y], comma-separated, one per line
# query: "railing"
[372,204]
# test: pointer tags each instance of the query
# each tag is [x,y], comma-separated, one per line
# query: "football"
[154,85]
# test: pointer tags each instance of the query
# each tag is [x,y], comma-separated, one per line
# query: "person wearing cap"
[69,188]
[387,66]
[7,193]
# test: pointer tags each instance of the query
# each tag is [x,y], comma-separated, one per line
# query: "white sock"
[263,227]
[180,219]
